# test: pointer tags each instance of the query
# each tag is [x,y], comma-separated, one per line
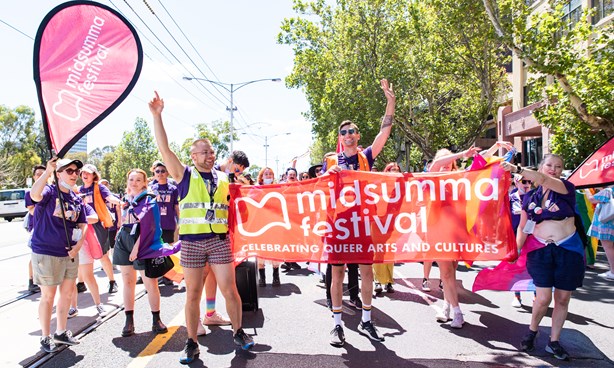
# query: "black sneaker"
[244,340]
[356,303]
[65,338]
[276,281]
[159,327]
[528,341]
[139,280]
[378,288]
[48,345]
[112,287]
[286,266]
[369,330]
[557,350]
[337,336]
[389,288]
[81,288]
[295,266]
[190,352]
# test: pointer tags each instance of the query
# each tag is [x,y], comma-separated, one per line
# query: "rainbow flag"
[505,277]
[586,210]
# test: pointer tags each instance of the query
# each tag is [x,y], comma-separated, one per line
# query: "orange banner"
[370,217]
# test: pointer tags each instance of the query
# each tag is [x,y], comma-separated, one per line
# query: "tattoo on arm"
[386,121]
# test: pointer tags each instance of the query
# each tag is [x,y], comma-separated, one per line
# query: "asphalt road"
[292,326]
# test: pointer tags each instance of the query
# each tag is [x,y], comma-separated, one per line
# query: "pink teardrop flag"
[87,59]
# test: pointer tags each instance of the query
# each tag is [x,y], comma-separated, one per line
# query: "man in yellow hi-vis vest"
[203,231]
[354,159]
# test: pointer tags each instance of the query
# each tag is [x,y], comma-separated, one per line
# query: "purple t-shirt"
[166,196]
[88,194]
[48,236]
[351,162]
[182,191]
[556,207]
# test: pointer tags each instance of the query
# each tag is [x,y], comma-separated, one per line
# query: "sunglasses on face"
[160,171]
[305,177]
[72,171]
[525,181]
[345,131]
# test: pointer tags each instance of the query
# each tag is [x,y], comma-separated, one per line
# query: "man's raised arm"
[173,165]
[386,128]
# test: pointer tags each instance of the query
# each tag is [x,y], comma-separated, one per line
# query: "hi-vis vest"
[193,207]
[363,162]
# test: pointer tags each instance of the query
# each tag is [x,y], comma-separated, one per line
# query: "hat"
[91,169]
[65,162]
[103,180]
[312,170]
[156,164]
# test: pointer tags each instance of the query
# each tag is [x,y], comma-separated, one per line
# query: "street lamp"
[233,87]
[266,144]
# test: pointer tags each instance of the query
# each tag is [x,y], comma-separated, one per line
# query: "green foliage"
[137,149]
[573,68]
[19,144]
[218,133]
[446,74]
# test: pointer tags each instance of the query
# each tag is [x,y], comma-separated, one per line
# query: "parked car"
[13,203]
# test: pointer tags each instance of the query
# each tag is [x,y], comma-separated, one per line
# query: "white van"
[13,203]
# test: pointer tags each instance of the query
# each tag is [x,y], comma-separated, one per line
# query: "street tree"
[137,149]
[218,133]
[19,140]
[443,59]
[573,63]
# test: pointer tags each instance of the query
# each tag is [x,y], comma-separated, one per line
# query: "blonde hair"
[260,178]
[446,152]
[138,171]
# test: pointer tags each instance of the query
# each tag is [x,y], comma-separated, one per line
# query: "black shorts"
[103,237]
[123,247]
[555,266]
[168,236]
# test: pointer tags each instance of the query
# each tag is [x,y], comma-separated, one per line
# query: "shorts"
[103,237]
[195,254]
[168,236]
[554,266]
[112,235]
[124,243]
[52,271]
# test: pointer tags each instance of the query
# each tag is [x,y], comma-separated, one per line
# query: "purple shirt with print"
[351,162]
[88,194]
[166,196]
[30,202]
[48,236]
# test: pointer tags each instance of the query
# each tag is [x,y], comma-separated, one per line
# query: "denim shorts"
[554,266]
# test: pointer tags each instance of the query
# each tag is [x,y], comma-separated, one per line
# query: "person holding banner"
[203,229]
[56,240]
[555,253]
[351,158]
[97,196]
[267,176]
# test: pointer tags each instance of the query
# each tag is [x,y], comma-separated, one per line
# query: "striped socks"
[366,313]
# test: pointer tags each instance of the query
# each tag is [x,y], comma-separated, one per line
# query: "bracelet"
[519,169]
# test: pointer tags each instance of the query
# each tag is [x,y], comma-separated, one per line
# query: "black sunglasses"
[344,131]
[160,171]
[72,171]
[525,181]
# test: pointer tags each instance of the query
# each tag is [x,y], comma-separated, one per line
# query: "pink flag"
[87,59]
[596,170]
[505,276]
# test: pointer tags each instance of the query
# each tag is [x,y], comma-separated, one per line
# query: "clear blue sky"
[236,39]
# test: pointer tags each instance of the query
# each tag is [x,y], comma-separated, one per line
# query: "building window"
[572,12]
[533,151]
[603,8]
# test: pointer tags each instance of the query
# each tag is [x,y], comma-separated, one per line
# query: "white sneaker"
[443,315]
[426,285]
[200,330]
[458,320]
[607,275]
[101,311]
[516,303]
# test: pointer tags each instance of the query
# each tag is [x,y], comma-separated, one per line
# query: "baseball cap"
[65,162]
